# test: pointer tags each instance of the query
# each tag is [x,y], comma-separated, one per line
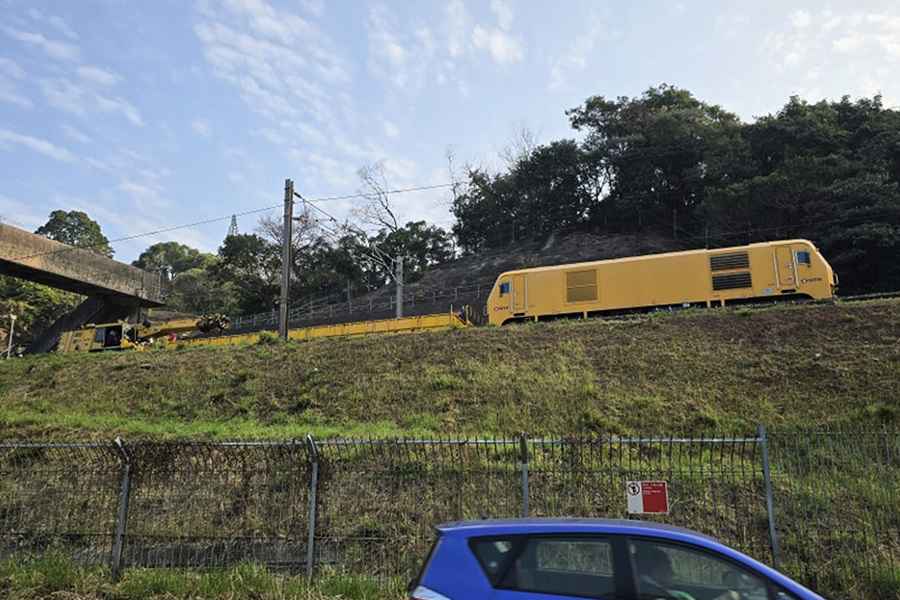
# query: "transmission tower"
[233,228]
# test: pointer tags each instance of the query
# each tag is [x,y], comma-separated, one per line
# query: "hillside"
[689,371]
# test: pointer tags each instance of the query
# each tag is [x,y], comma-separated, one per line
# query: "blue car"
[554,559]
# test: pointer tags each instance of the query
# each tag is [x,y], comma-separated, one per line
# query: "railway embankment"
[691,371]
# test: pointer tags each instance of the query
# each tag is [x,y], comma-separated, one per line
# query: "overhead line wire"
[224,218]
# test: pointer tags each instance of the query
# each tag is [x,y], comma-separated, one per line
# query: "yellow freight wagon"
[769,270]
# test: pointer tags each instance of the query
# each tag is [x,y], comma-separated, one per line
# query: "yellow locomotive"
[769,270]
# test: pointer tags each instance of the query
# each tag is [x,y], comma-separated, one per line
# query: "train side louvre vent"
[581,286]
[732,281]
[727,262]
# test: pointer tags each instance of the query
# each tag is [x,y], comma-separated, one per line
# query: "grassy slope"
[690,371]
[55,576]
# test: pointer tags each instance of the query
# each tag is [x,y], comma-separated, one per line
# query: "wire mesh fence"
[825,507]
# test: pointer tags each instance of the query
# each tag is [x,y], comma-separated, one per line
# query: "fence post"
[121,512]
[313,486]
[770,503]
[523,456]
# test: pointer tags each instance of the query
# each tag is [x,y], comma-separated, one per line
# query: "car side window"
[504,288]
[803,257]
[670,571]
[566,566]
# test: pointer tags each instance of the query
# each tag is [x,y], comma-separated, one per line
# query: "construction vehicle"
[122,335]
[203,332]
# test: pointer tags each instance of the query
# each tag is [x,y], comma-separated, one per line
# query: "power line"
[225,218]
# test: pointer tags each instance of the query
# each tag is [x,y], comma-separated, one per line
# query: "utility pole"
[12,328]
[398,279]
[286,237]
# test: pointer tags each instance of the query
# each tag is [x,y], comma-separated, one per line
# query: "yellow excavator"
[123,336]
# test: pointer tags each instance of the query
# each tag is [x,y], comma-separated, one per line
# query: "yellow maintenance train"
[765,271]
[787,269]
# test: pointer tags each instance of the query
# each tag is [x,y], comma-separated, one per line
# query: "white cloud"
[121,106]
[390,129]
[399,170]
[97,75]
[9,67]
[10,138]
[811,45]
[503,48]
[800,19]
[457,28]
[9,91]
[78,100]
[19,214]
[504,11]
[76,135]
[201,127]
[54,21]
[54,49]
[65,95]
[575,58]
[147,195]
[279,63]
[313,7]
[387,55]
[10,95]
[849,43]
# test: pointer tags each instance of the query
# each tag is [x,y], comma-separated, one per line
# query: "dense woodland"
[664,163]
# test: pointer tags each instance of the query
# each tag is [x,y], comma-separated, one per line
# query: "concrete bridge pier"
[114,290]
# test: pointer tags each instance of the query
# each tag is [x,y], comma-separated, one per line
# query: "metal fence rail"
[824,504]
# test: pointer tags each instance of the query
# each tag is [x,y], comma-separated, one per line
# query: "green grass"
[686,372]
[54,575]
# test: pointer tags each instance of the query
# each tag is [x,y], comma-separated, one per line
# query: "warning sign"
[647,497]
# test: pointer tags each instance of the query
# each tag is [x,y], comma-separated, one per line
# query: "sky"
[148,115]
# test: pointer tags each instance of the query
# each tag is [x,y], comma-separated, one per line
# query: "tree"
[175,258]
[198,291]
[76,228]
[36,306]
[421,245]
[377,211]
[660,151]
[252,266]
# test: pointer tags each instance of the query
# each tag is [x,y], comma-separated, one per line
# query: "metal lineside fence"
[822,505]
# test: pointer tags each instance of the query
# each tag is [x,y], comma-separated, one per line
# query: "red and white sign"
[647,497]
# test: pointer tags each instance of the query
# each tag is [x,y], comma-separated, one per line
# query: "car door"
[665,569]
[559,567]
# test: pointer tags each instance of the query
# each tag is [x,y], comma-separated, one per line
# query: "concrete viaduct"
[114,290]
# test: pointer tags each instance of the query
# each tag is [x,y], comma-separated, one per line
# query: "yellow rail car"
[124,336]
[770,270]
[448,320]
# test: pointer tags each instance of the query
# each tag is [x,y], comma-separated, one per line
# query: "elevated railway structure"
[114,290]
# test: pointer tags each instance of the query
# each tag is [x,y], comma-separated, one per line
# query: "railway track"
[861,297]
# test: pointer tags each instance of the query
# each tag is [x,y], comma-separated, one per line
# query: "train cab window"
[504,288]
[803,258]
[99,335]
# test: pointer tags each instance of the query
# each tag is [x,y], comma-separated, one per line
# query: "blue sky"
[150,114]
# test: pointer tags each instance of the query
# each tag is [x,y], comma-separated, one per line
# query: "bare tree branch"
[520,147]
[377,210]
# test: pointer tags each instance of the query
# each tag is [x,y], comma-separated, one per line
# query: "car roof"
[488,527]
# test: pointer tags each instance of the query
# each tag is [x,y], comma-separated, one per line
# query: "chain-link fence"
[822,505]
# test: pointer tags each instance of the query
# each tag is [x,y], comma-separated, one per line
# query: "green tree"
[422,246]
[76,228]
[36,306]
[251,265]
[175,258]
[658,153]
